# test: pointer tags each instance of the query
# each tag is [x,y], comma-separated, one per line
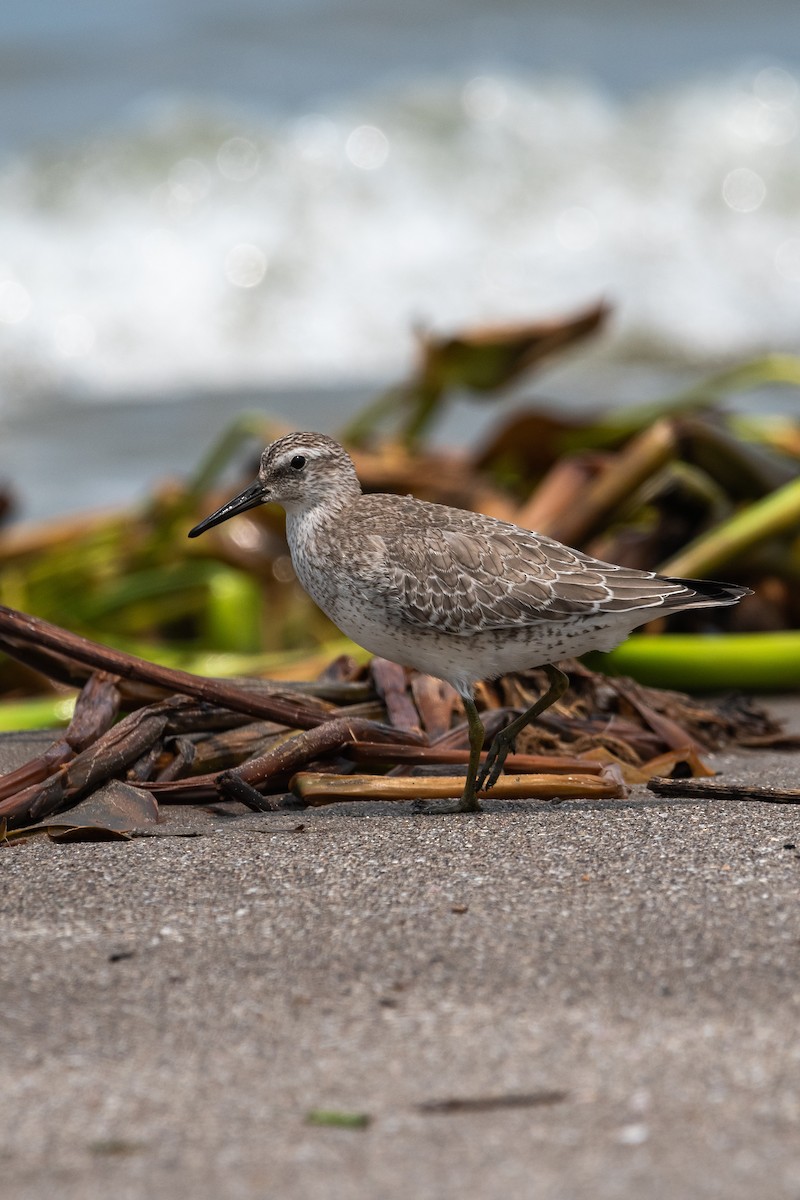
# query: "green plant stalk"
[771,369]
[776,514]
[707,662]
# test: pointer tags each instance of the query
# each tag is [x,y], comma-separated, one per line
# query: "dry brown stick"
[525,764]
[223,751]
[231,787]
[435,701]
[322,740]
[107,757]
[198,717]
[338,694]
[95,711]
[558,492]
[36,770]
[637,461]
[143,769]
[198,789]
[493,719]
[480,1104]
[316,789]
[183,756]
[21,627]
[711,789]
[391,684]
[283,760]
[674,735]
[642,742]
[53,666]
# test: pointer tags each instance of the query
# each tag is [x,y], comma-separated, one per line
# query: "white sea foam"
[202,246]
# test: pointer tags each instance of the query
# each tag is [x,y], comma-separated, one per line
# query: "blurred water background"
[208,207]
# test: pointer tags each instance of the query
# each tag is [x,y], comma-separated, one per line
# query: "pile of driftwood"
[355,733]
[685,485]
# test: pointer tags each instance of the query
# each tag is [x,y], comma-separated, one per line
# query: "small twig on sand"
[712,789]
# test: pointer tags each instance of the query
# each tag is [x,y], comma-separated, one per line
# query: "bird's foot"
[468,803]
[442,808]
[499,750]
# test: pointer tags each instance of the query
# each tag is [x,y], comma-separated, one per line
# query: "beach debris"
[317,789]
[479,361]
[715,789]
[266,744]
[112,813]
[457,1105]
[334,1118]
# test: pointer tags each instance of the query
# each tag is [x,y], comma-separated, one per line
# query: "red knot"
[453,593]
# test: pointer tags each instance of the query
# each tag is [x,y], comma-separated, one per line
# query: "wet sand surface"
[598,1000]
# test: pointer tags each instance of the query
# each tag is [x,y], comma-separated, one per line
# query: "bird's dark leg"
[504,742]
[469,797]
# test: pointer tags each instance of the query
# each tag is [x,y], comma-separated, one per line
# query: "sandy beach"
[594,1000]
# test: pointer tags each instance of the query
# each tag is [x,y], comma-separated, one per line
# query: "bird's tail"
[704,593]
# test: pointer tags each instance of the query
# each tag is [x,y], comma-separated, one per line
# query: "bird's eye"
[298,462]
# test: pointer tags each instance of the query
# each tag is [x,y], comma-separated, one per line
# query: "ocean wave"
[200,246]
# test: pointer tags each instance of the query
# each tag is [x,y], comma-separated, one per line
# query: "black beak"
[251,497]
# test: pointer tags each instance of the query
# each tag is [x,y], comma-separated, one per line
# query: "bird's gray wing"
[481,574]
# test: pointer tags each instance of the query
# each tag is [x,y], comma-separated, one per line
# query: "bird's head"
[298,471]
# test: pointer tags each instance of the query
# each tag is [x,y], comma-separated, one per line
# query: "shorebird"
[456,594]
